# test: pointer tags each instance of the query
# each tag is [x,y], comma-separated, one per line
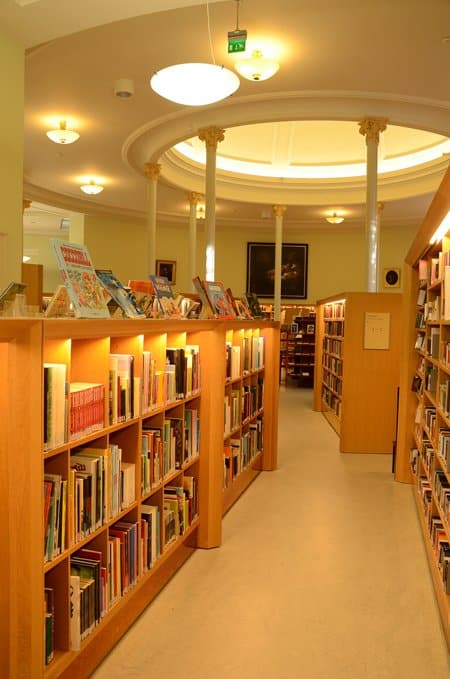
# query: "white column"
[371,128]
[152,172]
[194,199]
[211,136]
[278,211]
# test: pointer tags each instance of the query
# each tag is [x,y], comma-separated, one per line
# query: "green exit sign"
[236,41]
[236,46]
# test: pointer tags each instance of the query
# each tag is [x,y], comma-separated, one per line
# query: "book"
[125,301]
[253,305]
[9,293]
[166,298]
[59,304]
[79,277]
[218,300]
[206,310]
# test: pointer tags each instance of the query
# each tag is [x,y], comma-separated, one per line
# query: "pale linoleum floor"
[322,574]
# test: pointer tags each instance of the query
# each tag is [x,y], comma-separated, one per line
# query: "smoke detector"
[124,88]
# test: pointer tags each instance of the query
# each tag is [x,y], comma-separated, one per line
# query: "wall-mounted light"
[62,135]
[92,188]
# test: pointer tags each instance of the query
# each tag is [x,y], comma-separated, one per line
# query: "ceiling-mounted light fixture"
[257,67]
[92,189]
[335,218]
[194,84]
[200,211]
[62,135]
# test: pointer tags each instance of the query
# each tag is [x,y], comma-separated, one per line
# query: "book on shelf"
[144,295]
[166,299]
[79,277]
[59,305]
[9,293]
[206,310]
[218,300]
[253,305]
[120,297]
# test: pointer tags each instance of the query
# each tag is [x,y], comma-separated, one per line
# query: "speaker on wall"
[391,277]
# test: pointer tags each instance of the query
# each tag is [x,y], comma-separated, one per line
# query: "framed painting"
[294,270]
[167,268]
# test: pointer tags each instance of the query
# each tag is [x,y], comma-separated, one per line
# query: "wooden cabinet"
[145,518]
[357,368]
[424,411]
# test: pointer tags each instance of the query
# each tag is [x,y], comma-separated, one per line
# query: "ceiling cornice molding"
[150,141]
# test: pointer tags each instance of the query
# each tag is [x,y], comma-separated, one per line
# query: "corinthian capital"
[279,210]
[211,135]
[371,128]
[152,170]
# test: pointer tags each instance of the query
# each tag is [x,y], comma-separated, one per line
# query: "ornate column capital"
[194,198]
[26,203]
[371,128]
[152,170]
[279,210]
[211,135]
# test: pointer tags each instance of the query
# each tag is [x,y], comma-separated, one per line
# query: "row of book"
[88,292]
[238,453]
[98,583]
[332,346]
[334,328]
[76,409]
[331,400]
[332,364]
[334,310]
[99,486]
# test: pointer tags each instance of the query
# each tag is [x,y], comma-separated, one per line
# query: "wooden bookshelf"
[356,382]
[84,348]
[425,372]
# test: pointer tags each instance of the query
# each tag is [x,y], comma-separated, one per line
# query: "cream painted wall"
[11,163]
[42,253]
[336,257]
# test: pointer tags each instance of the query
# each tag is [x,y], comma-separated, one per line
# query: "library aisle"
[322,573]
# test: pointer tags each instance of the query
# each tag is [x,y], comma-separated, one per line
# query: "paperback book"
[166,298]
[218,300]
[79,277]
[120,297]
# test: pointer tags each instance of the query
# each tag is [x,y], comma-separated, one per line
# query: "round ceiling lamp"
[92,189]
[335,218]
[257,67]
[62,135]
[194,84]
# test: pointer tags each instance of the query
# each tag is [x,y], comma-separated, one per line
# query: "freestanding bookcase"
[84,346]
[357,368]
[424,412]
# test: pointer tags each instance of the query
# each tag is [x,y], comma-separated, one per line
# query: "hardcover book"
[79,277]
[166,298]
[119,295]
[218,300]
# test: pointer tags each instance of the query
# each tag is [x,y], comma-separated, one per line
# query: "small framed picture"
[167,268]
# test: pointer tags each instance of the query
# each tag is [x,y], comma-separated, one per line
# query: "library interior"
[224,274]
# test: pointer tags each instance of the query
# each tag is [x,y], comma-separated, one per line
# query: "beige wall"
[336,257]
[11,163]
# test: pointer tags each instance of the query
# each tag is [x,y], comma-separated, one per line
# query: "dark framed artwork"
[167,268]
[294,269]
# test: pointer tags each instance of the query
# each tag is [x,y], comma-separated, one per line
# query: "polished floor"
[322,575]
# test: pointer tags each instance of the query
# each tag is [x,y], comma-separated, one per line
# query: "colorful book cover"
[166,298]
[218,300]
[119,294]
[206,310]
[79,277]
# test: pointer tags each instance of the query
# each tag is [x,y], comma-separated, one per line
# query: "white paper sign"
[376,330]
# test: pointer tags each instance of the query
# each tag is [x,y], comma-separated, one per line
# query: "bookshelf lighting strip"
[442,229]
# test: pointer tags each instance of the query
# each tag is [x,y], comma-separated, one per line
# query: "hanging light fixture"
[194,84]
[92,188]
[256,67]
[62,135]
[335,218]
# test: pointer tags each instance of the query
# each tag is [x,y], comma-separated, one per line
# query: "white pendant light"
[62,135]
[257,67]
[194,84]
[92,189]
[335,218]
